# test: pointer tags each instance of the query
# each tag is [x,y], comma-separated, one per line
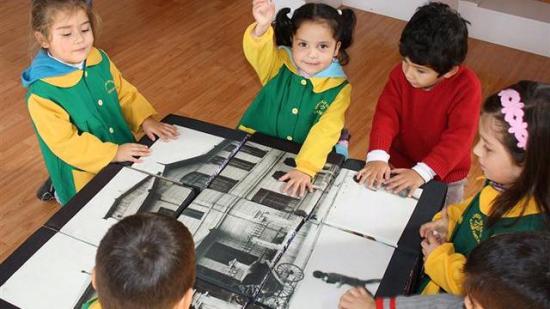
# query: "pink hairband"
[513,114]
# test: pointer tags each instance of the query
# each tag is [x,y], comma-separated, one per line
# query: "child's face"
[471,303]
[420,76]
[494,159]
[71,37]
[313,47]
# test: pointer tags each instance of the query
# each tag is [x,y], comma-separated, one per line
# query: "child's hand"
[356,298]
[263,12]
[297,182]
[374,174]
[153,128]
[436,228]
[129,152]
[430,243]
[404,179]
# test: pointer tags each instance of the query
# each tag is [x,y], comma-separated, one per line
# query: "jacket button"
[295,111]
[85,74]
[111,130]
[100,102]
[303,82]
[289,138]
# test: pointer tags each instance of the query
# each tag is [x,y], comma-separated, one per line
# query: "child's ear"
[42,40]
[185,302]
[93,279]
[452,72]
[337,49]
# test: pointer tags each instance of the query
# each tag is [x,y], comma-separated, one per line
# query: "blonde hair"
[43,12]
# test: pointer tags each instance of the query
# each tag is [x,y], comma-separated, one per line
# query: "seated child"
[305,92]
[144,261]
[506,271]
[426,117]
[513,154]
[84,113]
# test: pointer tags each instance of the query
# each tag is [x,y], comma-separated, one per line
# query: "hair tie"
[513,115]
[339,12]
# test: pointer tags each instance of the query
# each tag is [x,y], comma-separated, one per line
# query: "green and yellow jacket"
[467,228]
[310,111]
[92,304]
[81,116]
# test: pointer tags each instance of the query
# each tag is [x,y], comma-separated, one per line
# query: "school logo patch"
[110,86]
[476,226]
[321,107]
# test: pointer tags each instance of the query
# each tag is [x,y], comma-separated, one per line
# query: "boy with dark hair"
[426,117]
[144,261]
[505,271]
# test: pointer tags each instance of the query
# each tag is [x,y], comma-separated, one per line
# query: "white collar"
[79,66]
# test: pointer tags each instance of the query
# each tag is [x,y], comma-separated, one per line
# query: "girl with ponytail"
[305,91]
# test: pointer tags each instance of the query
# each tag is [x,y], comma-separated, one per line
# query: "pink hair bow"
[513,115]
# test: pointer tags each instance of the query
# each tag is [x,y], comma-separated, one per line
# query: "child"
[144,261]
[426,116]
[513,154]
[83,111]
[506,271]
[305,92]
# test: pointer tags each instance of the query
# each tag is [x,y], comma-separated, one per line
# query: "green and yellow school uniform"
[92,304]
[81,117]
[467,228]
[310,111]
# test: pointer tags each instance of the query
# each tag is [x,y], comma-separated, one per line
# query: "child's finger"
[379,179]
[171,129]
[426,228]
[387,174]
[354,292]
[362,292]
[404,186]
[371,178]
[309,186]
[289,188]
[364,177]
[424,244]
[284,177]
[394,183]
[302,189]
[412,188]
[293,190]
[151,136]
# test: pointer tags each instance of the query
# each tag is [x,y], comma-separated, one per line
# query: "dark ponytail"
[284,28]
[342,25]
[347,24]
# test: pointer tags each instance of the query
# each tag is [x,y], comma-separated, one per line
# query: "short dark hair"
[510,271]
[435,36]
[145,261]
[342,23]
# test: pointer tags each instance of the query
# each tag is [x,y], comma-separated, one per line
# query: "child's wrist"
[260,29]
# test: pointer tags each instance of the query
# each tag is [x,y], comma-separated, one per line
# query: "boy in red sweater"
[426,117]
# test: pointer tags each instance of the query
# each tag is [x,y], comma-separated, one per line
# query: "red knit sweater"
[436,127]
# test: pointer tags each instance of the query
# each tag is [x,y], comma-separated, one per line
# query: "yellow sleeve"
[262,54]
[83,151]
[454,213]
[324,135]
[446,268]
[135,106]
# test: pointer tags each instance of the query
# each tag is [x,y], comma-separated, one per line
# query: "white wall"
[506,29]
[491,20]
[292,4]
